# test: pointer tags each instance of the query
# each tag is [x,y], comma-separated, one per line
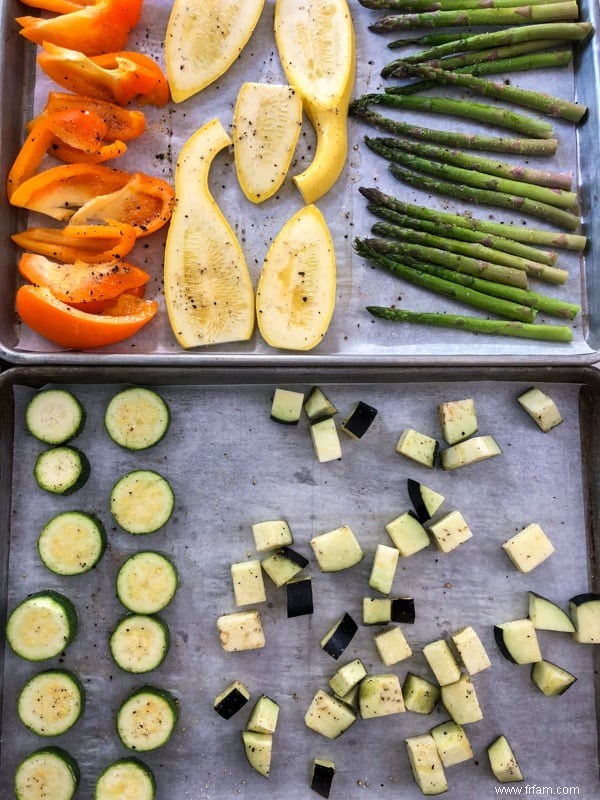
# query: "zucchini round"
[54,416]
[146,719]
[61,470]
[146,582]
[142,501]
[126,779]
[51,702]
[41,626]
[139,643]
[137,418]
[50,772]
[72,543]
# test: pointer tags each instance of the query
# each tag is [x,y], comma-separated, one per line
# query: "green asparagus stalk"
[523,330]
[521,234]
[478,112]
[462,294]
[549,305]
[545,103]
[444,5]
[550,12]
[431,39]
[472,177]
[468,141]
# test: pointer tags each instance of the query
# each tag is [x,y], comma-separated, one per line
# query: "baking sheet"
[231,466]
[353,336]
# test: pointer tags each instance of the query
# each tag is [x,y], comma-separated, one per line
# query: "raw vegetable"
[61,470]
[420,695]
[270,534]
[458,419]
[547,615]
[283,565]
[299,597]
[328,716]
[146,582]
[407,534]
[122,124]
[54,416]
[92,244]
[528,548]
[461,702]
[541,408]
[248,585]
[503,761]
[337,549]
[231,700]
[339,636]
[72,543]
[551,679]
[264,716]
[470,451]
[417,447]
[392,646]
[347,677]
[208,292]
[380,696]
[450,531]
[146,719]
[241,630]
[139,643]
[585,613]
[441,662]
[286,406]
[426,764]
[326,441]
[142,501]
[471,650]
[383,568]
[126,777]
[425,501]
[47,772]
[360,419]
[318,406]
[258,748]
[323,772]
[517,641]
[157,93]
[452,743]
[51,702]
[41,625]
[137,418]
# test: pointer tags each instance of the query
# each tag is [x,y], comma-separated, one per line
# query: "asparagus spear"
[551,333]
[547,104]
[550,12]
[480,112]
[472,177]
[469,141]
[493,305]
[526,235]
[445,5]
[430,39]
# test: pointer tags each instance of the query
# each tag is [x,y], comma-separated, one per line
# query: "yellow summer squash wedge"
[295,297]
[203,39]
[208,292]
[266,125]
[315,40]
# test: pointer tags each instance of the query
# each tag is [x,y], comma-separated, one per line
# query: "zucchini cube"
[271,534]
[442,662]
[328,716]
[241,630]
[383,569]
[528,548]
[417,447]
[426,764]
[248,584]
[471,650]
[541,408]
[380,696]
[337,549]
[407,534]
[452,743]
[420,695]
[450,531]
[392,646]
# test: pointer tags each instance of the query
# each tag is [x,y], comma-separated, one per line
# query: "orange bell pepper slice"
[122,124]
[93,29]
[160,94]
[93,244]
[107,305]
[77,72]
[71,155]
[80,283]
[58,6]
[69,327]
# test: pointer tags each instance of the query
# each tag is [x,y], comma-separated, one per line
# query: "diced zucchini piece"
[142,501]
[585,612]
[541,408]
[551,679]
[137,418]
[376,610]
[323,772]
[450,531]
[528,548]
[392,646]
[420,695]
[271,534]
[337,549]
[241,630]
[72,543]
[458,419]
[264,716]
[139,643]
[146,719]
[328,716]
[380,696]
[359,420]
[517,641]
[503,761]
[452,743]
[41,626]
[442,662]
[258,748]
[547,616]
[54,416]
[61,470]
[417,447]
[51,702]
[471,650]
[47,772]
[425,501]
[471,451]
[407,534]
[147,582]
[286,406]
[426,764]
[461,702]
[318,406]
[233,698]
[339,636]
[283,565]
[299,597]
[326,440]
[248,584]
[383,569]
[126,778]
[347,677]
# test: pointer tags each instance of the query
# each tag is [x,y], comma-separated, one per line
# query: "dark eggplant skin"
[499,638]
[403,610]
[299,597]
[341,637]
[293,556]
[585,597]
[231,704]
[322,778]
[360,420]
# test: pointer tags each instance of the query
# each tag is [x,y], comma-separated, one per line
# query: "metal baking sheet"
[230,465]
[354,337]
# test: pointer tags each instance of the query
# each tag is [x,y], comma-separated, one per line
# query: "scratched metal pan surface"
[230,465]
[354,337]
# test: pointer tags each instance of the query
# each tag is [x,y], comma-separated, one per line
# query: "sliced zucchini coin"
[50,772]
[51,702]
[142,501]
[147,582]
[61,470]
[137,418]
[41,626]
[54,416]
[126,779]
[147,718]
[72,543]
[139,643]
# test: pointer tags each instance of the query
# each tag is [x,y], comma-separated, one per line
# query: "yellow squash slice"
[266,124]
[315,40]
[208,291]
[295,297]
[203,39]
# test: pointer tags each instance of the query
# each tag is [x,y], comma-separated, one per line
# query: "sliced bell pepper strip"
[145,202]
[121,123]
[69,327]
[78,73]
[58,6]
[80,282]
[99,306]
[160,94]
[93,29]
[70,155]
[94,244]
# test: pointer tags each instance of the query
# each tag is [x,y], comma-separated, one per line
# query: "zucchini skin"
[79,480]
[128,411]
[59,673]
[70,614]
[127,761]
[55,753]
[153,692]
[92,521]
[45,430]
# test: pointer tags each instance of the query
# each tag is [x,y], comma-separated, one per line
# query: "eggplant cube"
[403,610]
[392,646]
[417,447]
[458,419]
[442,662]
[299,597]
[471,650]
[528,548]
[241,630]
[359,421]
[339,636]
[408,534]
[380,696]
[452,743]
[248,584]
[271,534]
[376,610]
[318,406]
[286,406]
[326,441]
[420,695]
[384,568]
[328,716]
[322,776]
[450,531]
[231,700]
[337,549]
[461,702]
[470,451]
[347,677]
[551,679]
[585,611]
[426,764]
[264,716]
[541,408]
[425,501]
[258,748]
[547,616]
[517,641]
[503,761]
[283,565]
